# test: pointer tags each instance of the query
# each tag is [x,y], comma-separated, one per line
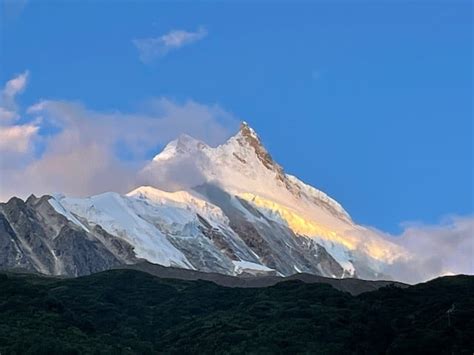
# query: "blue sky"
[369,101]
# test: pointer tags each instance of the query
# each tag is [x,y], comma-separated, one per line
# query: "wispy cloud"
[152,48]
[8,106]
[12,8]
[16,140]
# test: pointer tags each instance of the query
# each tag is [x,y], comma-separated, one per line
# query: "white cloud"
[17,138]
[440,249]
[83,158]
[8,106]
[16,85]
[7,116]
[156,47]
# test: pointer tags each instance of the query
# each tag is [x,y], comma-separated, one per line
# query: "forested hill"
[131,312]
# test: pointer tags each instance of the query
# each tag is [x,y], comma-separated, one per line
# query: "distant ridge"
[350,285]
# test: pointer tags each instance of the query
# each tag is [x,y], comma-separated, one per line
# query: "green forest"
[131,312]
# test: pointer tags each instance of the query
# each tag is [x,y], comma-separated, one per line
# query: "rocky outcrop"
[273,244]
[34,237]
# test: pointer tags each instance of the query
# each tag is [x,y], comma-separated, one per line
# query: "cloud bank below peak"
[445,248]
[62,146]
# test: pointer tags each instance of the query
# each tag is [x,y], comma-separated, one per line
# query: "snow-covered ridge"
[318,194]
[58,207]
[118,216]
[184,144]
[180,199]
[240,165]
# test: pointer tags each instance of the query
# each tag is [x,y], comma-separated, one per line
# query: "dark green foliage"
[130,312]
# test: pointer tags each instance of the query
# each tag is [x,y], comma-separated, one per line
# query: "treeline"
[130,312]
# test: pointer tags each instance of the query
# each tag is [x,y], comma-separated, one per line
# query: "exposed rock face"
[34,237]
[248,136]
[29,236]
[276,245]
[11,256]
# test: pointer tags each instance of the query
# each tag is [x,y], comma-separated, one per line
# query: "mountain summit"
[229,209]
[247,136]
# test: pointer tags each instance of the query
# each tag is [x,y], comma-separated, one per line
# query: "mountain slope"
[243,169]
[229,209]
[34,237]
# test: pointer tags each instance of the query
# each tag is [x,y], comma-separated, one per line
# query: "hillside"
[128,312]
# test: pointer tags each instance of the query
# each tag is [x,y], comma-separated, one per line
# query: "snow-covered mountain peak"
[230,209]
[247,142]
[248,133]
[183,145]
[241,166]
